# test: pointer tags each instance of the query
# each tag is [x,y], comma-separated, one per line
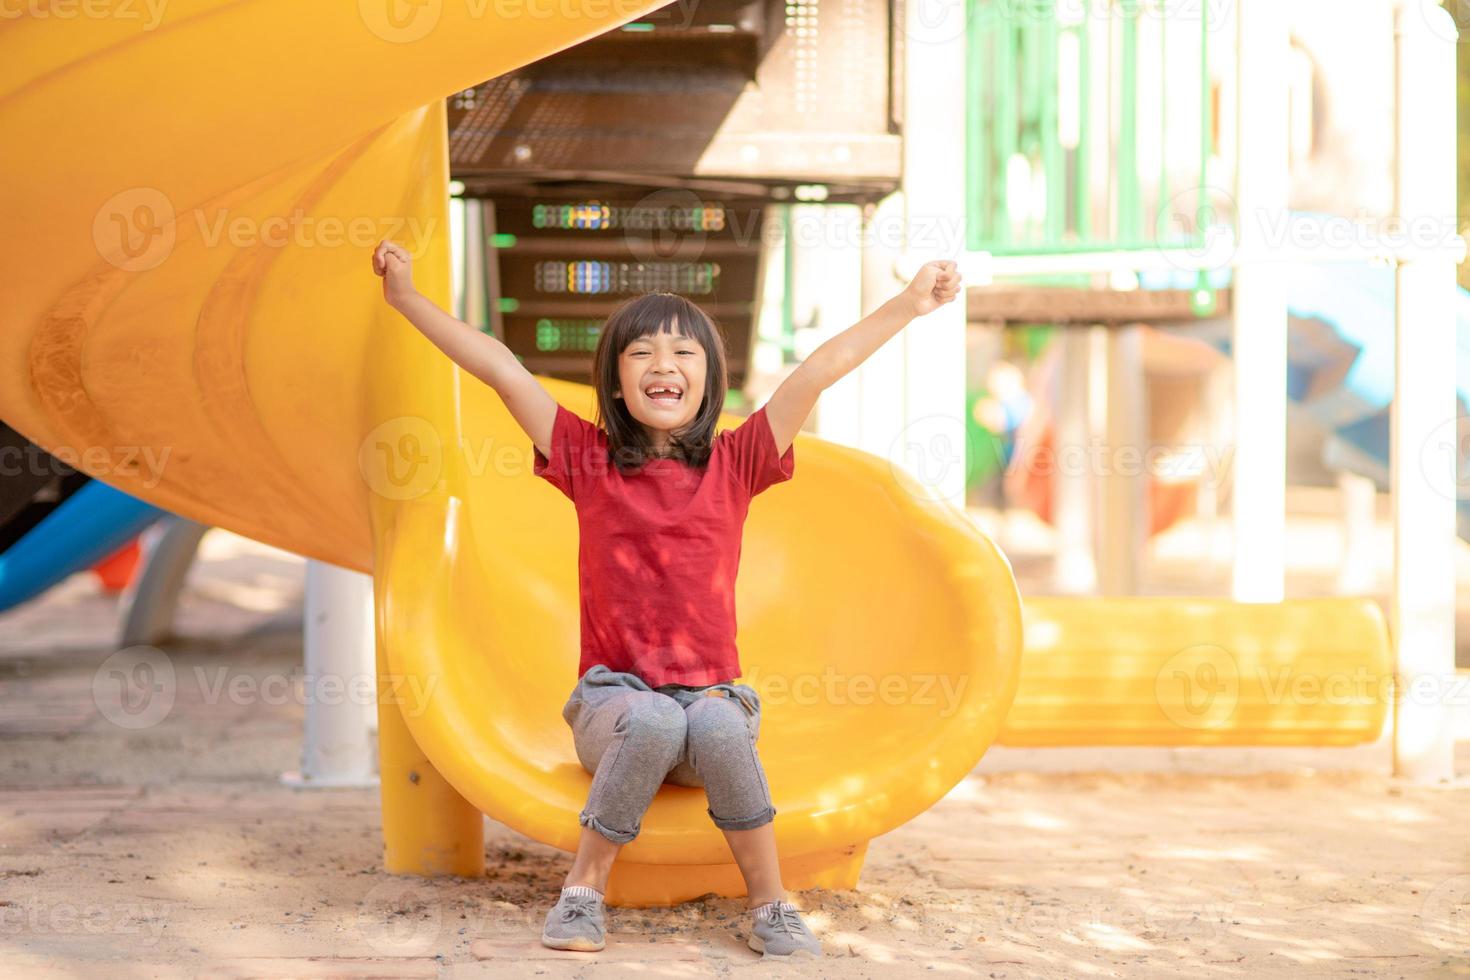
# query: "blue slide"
[55,521]
[1340,354]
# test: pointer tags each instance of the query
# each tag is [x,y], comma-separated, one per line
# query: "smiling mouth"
[664,394]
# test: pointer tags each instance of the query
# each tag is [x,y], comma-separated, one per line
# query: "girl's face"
[661,379]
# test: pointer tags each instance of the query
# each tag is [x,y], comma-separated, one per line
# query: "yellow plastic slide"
[188,205]
[1147,670]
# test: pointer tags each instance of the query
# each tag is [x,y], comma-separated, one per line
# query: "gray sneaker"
[575,921]
[782,933]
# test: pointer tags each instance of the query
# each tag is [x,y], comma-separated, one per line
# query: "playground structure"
[387,475]
[304,413]
[1147,221]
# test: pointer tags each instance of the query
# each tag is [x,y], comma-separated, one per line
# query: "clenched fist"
[392,262]
[935,284]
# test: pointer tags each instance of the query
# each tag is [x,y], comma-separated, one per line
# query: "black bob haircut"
[643,316]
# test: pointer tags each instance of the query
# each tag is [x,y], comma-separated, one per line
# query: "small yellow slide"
[191,194]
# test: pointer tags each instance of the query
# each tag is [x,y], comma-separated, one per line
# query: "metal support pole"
[1423,421]
[934,423]
[879,381]
[339,746]
[1259,307]
[473,266]
[1075,570]
[832,277]
[147,606]
[1121,473]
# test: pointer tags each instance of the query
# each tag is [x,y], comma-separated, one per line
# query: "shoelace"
[575,905]
[784,916]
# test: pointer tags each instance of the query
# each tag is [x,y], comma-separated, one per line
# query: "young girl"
[661,499]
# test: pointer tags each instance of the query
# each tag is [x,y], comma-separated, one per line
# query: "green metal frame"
[1012,107]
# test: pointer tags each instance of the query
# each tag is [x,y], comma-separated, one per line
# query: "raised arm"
[480,354]
[935,284]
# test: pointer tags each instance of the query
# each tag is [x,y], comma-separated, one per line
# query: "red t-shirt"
[659,549]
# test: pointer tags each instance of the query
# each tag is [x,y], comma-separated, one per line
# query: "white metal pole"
[934,198]
[1259,307]
[879,381]
[472,265]
[1120,471]
[1075,569]
[1423,417]
[456,251]
[832,277]
[340,684]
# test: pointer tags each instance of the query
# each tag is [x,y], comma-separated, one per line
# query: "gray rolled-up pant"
[632,738]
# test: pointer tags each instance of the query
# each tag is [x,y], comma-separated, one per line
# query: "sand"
[176,851]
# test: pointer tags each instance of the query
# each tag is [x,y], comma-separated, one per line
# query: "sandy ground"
[174,850]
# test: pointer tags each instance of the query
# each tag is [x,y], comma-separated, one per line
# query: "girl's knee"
[656,721]
[717,733]
[717,719]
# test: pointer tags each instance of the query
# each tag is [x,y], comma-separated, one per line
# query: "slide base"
[429,829]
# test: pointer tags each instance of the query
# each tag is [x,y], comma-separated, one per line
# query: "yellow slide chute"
[1194,671]
[188,210]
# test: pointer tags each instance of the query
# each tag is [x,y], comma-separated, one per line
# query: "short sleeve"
[753,453]
[573,440]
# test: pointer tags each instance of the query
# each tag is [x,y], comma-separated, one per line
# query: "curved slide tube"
[203,286]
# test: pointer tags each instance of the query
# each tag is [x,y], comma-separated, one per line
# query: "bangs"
[661,313]
[644,316]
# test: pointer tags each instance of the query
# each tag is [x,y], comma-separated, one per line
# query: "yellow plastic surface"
[1172,671]
[188,210]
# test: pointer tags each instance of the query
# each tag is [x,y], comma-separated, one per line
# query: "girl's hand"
[392,262]
[935,284]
